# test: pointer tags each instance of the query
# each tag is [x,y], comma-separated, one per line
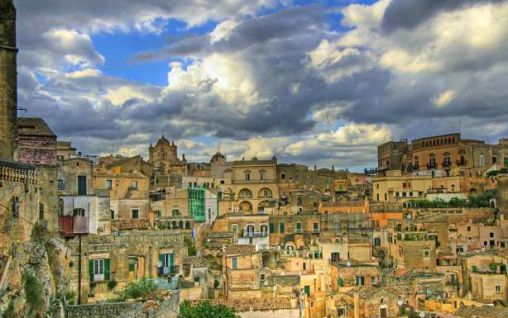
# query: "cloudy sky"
[316,82]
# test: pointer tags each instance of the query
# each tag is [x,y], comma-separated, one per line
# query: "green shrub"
[144,288]
[34,294]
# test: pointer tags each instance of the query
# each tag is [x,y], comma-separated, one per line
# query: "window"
[426,253]
[15,207]
[335,257]
[135,213]
[360,280]
[377,241]
[315,228]
[234,263]
[109,184]
[262,175]
[264,230]
[491,234]
[298,227]
[482,160]
[78,212]
[41,211]
[166,262]
[373,280]
[134,185]
[498,289]
[133,264]
[81,185]
[112,212]
[469,229]
[281,228]
[341,312]
[247,175]
[306,290]
[283,176]
[432,160]
[272,228]
[61,184]
[99,269]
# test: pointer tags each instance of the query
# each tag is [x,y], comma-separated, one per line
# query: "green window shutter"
[341,282]
[171,262]
[106,269]
[161,260]
[272,228]
[306,290]
[90,269]
[281,228]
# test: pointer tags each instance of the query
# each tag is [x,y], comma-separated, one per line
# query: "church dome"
[217,156]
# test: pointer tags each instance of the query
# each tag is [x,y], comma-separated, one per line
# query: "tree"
[206,310]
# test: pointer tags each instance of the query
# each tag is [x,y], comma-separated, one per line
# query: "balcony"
[71,226]
[446,164]
[431,165]
[461,162]
[255,234]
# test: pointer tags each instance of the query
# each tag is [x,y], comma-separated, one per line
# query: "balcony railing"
[73,225]
[255,234]
[461,162]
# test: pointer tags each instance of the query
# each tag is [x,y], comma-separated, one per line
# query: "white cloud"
[223,30]
[118,96]
[350,135]
[223,74]
[444,98]
[88,72]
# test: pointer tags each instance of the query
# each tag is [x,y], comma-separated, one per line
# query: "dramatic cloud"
[288,82]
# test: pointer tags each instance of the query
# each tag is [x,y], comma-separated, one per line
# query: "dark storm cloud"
[407,14]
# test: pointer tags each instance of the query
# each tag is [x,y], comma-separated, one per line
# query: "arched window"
[417,163]
[283,176]
[264,229]
[244,194]
[446,160]
[432,161]
[265,193]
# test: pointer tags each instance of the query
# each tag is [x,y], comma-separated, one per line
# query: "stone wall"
[104,310]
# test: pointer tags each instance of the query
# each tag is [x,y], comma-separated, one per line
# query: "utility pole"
[79,270]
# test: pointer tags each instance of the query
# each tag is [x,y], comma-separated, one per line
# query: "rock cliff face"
[30,286]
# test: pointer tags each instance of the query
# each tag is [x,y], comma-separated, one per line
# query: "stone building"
[352,273]
[485,277]
[412,249]
[164,158]
[37,145]
[125,258]
[82,210]
[8,80]
[249,229]
[241,271]
[255,184]
[443,155]
[390,155]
